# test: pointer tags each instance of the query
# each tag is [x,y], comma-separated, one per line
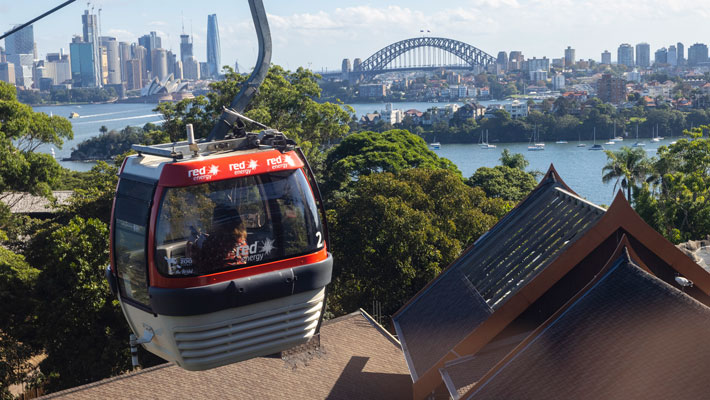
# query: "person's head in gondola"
[226,221]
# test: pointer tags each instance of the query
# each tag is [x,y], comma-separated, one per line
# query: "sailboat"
[654,137]
[484,144]
[638,144]
[596,146]
[534,146]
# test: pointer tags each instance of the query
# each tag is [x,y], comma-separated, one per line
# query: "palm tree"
[627,166]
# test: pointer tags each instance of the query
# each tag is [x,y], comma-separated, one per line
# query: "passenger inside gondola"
[225,245]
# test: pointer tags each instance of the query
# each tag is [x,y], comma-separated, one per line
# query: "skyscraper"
[672,55]
[661,56]
[625,55]
[606,57]
[569,56]
[502,61]
[19,48]
[124,54]
[185,47]
[159,58]
[214,53]
[113,59]
[21,42]
[83,63]
[697,54]
[150,42]
[681,53]
[91,35]
[643,55]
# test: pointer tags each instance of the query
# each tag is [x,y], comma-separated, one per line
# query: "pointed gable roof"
[433,311]
[626,335]
[491,271]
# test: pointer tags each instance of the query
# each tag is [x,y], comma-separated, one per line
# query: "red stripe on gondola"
[157,280]
[194,172]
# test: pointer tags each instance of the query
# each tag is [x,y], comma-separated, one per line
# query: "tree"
[369,152]
[627,167]
[516,160]
[394,232]
[510,184]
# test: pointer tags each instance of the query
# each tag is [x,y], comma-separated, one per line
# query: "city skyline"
[319,34]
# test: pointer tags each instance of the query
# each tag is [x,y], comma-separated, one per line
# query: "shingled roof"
[490,272]
[517,275]
[628,335]
[358,360]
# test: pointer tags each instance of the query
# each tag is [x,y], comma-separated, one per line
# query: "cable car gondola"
[218,250]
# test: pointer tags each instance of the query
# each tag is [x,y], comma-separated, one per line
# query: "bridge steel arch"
[472,56]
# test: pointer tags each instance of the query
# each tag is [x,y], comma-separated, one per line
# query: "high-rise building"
[502,61]
[134,74]
[172,58]
[625,55]
[178,70]
[141,53]
[643,55]
[672,55]
[569,56]
[2,54]
[661,56]
[681,53]
[159,58]
[534,64]
[124,54]
[357,64]
[214,52]
[558,82]
[185,47]
[150,42]
[113,59]
[606,57]
[204,70]
[83,63]
[697,54]
[7,72]
[515,60]
[611,89]
[191,69]
[21,42]
[91,36]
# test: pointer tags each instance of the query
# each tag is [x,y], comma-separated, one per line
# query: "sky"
[318,34]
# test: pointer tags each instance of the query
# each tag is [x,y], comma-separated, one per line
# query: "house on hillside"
[357,359]
[34,206]
[562,299]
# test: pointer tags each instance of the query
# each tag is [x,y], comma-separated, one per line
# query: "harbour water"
[579,167]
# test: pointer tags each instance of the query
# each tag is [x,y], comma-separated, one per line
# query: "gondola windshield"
[236,223]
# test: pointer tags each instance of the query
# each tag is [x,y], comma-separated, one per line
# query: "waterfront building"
[214,52]
[103,62]
[697,54]
[643,55]
[7,72]
[185,47]
[661,56]
[672,55]
[150,41]
[606,57]
[83,63]
[91,36]
[558,82]
[191,69]
[134,74]
[159,58]
[113,60]
[569,56]
[625,55]
[392,116]
[611,89]
[373,90]
[56,67]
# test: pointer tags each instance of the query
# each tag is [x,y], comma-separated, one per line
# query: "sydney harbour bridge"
[416,54]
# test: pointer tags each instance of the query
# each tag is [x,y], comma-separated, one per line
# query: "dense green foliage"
[394,232]
[368,152]
[74,95]
[113,143]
